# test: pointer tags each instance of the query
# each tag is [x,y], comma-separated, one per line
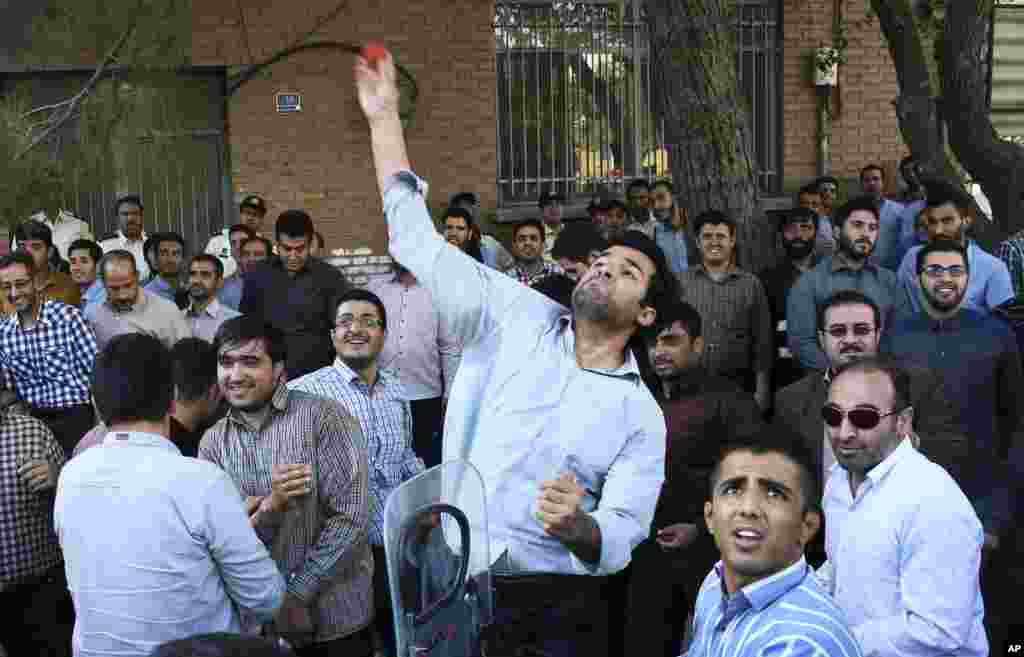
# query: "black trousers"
[427,420]
[384,621]
[661,590]
[359,644]
[550,616]
[67,424]
[39,616]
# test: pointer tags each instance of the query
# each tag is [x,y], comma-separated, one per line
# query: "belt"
[57,412]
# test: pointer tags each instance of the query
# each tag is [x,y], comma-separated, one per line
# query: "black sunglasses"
[862,418]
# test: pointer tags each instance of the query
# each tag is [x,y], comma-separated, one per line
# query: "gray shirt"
[151,315]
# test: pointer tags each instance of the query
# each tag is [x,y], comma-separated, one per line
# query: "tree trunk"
[693,63]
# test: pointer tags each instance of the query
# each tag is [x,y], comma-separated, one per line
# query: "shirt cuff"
[615,547]
[405,180]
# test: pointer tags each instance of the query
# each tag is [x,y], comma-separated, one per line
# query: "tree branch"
[71,105]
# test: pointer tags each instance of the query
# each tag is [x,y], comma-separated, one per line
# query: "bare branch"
[46,107]
[71,105]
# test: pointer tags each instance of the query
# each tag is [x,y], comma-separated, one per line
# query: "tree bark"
[693,54]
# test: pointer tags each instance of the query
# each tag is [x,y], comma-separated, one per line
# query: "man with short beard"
[947,216]
[528,249]
[798,229]
[850,268]
[671,229]
[205,313]
[978,359]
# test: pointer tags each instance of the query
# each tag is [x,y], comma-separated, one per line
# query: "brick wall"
[320,159]
[865,129]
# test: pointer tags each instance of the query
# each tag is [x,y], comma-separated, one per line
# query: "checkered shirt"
[28,545]
[528,279]
[49,365]
[1012,253]
[386,419]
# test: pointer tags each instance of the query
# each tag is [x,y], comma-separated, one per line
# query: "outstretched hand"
[377,87]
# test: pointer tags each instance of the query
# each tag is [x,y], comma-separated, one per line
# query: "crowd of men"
[821,458]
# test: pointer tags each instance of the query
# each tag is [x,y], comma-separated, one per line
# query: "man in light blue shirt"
[169,252]
[762,598]
[157,546]
[547,404]
[671,228]
[872,183]
[903,543]
[947,217]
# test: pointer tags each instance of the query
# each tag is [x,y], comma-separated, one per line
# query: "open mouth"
[747,538]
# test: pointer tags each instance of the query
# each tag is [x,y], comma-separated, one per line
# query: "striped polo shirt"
[787,613]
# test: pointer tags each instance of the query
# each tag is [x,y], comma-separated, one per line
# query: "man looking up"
[535,385]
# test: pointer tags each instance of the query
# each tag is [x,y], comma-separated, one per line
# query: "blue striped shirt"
[787,614]
[386,420]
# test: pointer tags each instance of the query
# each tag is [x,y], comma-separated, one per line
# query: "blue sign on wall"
[289,102]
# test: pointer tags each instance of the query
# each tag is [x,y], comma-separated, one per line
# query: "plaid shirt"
[527,278]
[321,545]
[1011,252]
[49,364]
[28,546]
[386,419]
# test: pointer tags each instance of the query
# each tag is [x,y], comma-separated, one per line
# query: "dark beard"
[586,306]
[798,249]
[847,248]
[358,363]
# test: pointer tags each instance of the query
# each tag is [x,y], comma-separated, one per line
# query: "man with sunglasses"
[903,543]
[946,215]
[977,356]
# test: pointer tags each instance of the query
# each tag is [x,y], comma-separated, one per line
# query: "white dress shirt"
[903,559]
[523,411]
[157,547]
[417,348]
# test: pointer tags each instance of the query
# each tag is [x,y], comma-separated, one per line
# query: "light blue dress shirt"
[673,245]
[903,559]
[162,288]
[787,613]
[386,420]
[523,411]
[157,547]
[95,293]
[988,287]
[231,292]
[890,226]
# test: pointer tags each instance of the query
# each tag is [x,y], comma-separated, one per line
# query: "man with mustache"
[702,412]
[131,235]
[528,249]
[946,215]
[671,228]
[810,198]
[857,227]
[205,313]
[798,229]
[980,364]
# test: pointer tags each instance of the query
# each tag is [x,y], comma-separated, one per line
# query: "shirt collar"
[140,439]
[765,591]
[278,402]
[13,323]
[124,240]
[840,262]
[384,376]
[629,368]
[732,272]
[213,309]
[140,301]
[877,473]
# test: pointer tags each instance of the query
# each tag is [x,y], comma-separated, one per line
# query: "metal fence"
[574,96]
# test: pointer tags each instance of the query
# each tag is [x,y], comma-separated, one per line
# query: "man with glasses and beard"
[903,543]
[857,225]
[798,229]
[979,361]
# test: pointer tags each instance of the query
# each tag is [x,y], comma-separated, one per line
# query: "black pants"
[359,644]
[427,419]
[662,589]
[67,424]
[549,616]
[39,616]
[384,621]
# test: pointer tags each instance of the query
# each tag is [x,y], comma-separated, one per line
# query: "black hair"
[462,213]
[796,215]
[637,182]
[663,288]
[320,243]
[95,252]
[262,240]
[872,167]
[222,644]
[18,258]
[763,439]
[246,328]
[117,255]
[359,294]
[682,312]
[33,230]
[194,364]
[557,287]
[865,203]
[218,266]
[809,188]
[472,244]
[663,182]
[941,245]
[134,199]
[826,179]
[241,228]
[848,298]
[577,241]
[132,380]
[535,223]
[156,239]
[615,204]
[898,376]
[293,223]
[463,197]
[714,218]
[941,192]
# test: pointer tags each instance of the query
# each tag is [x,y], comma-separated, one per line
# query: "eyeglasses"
[346,323]
[859,331]
[937,271]
[861,418]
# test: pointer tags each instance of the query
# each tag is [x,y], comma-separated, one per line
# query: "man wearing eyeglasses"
[945,216]
[978,359]
[375,397]
[903,543]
